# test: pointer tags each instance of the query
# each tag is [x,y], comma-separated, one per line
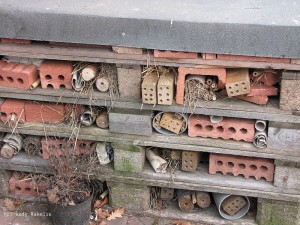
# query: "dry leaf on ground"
[118,213]
[9,204]
[181,222]
[102,214]
[53,198]
[99,203]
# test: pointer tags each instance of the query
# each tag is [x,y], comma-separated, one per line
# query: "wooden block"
[166,193]
[129,158]
[259,100]
[290,92]
[130,121]
[283,136]
[262,90]
[237,82]
[127,50]
[149,87]
[129,81]
[137,197]
[233,204]
[190,161]
[287,175]
[165,89]
[170,122]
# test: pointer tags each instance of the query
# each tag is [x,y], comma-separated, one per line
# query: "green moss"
[122,147]
[276,221]
[128,167]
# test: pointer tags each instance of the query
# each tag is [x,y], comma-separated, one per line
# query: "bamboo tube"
[157,163]
[35,84]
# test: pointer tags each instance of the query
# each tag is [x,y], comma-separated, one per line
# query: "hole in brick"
[71,146]
[231,92]
[160,88]
[219,163]
[209,127]
[243,83]
[51,147]
[62,86]
[61,146]
[161,100]
[49,86]
[253,167]
[242,166]
[263,178]
[230,87]
[145,89]
[220,129]
[237,91]
[160,94]
[151,89]
[151,99]
[151,95]
[61,77]
[264,168]
[236,85]
[10,79]
[18,188]
[48,77]
[231,130]
[146,99]
[243,131]
[167,88]
[168,100]
[83,145]
[3,114]
[230,164]
[1,78]
[167,94]
[27,189]
[245,88]
[198,126]
[20,81]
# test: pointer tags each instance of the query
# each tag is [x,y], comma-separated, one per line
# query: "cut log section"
[7,151]
[102,83]
[32,145]
[102,120]
[185,200]
[203,199]
[89,72]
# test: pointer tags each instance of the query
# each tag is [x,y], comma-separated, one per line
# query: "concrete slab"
[247,27]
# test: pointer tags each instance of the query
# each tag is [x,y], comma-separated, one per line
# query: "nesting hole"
[242,166]
[253,167]
[198,126]
[220,129]
[62,86]
[50,86]
[10,79]
[48,77]
[230,164]
[27,189]
[264,168]
[20,81]
[209,127]
[61,77]
[243,131]
[219,163]
[232,130]
[1,78]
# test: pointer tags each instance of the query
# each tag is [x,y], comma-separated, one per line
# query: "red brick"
[56,74]
[15,106]
[44,112]
[228,128]
[64,44]
[261,89]
[208,56]
[175,54]
[240,165]
[58,147]
[270,77]
[253,58]
[15,41]
[259,100]
[17,75]
[183,71]
[27,187]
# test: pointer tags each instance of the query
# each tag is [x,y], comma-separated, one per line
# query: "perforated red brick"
[17,75]
[228,128]
[253,58]
[13,106]
[27,187]
[44,112]
[56,74]
[15,41]
[183,71]
[175,54]
[240,165]
[58,147]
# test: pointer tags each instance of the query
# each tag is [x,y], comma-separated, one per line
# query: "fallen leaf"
[53,198]
[181,222]
[9,204]
[118,213]
[102,214]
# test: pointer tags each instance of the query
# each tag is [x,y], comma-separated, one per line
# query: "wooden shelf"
[200,180]
[105,54]
[180,142]
[229,107]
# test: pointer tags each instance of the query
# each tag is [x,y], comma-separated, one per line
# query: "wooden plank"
[181,142]
[230,107]
[44,51]
[287,177]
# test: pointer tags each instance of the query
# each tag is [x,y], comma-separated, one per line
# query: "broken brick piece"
[44,112]
[13,106]
[264,90]
[209,56]
[175,54]
[15,41]
[259,100]
[184,71]
[241,165]
[229,128]
[56,74]
[268,77]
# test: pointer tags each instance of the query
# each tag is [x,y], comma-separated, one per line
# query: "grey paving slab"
[245,27]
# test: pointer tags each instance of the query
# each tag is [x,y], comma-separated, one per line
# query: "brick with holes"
[240,165]
[56,74]
[183,72]
[26,187]
[165,88]
[62,147]
[44,112]
[229,128]
[233,204]
[166,193]
[149,87]
[15,41]
[17,75]
[175,54]
[209,56]
[190,161]
[13,106]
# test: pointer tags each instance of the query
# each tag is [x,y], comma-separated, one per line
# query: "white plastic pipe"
[102,154]
[260,139]
[157,162]
[216,119]
[260,125]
